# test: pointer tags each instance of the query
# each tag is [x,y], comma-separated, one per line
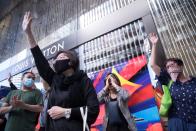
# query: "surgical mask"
[61,65]
[28,82]
[175,72]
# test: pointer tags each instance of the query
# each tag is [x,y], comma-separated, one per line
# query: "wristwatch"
[67,113]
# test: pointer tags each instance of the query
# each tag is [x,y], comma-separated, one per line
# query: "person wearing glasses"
[115,98]
[182,113]
[23,105]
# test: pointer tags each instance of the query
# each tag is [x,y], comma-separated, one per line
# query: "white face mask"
[174,72]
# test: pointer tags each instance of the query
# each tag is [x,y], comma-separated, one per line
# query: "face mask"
[62,65]
[28,82]
[174,73]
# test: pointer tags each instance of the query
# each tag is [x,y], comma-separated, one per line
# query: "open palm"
[26,24]
[153,38]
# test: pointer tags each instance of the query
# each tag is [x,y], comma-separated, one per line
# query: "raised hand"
[26,24]
[9,78]
[153,38]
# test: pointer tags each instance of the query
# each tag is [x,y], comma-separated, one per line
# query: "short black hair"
[27,73]
[176,60]
[72,56]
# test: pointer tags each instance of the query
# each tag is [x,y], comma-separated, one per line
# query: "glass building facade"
[176,24]
[108,36]
[113,48]
[55,19]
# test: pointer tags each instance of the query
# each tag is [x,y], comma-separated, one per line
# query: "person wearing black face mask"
[71,91]
[62,65]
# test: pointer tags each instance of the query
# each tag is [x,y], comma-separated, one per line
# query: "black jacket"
[68,92]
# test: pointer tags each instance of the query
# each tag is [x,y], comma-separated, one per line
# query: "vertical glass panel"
[176,23]
[113,48]
[53,20]
[90,11]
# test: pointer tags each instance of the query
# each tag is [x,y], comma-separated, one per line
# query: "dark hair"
[113,76]
[176,60]
[27,73]
[74,61]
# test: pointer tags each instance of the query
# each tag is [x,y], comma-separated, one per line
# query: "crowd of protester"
[70,102]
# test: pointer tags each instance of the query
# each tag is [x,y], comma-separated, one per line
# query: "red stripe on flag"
[96,81]
[141,95]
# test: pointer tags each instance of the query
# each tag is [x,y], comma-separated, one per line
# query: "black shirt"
[115,115]
[68,92]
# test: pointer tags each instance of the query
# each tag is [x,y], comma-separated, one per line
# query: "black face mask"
[61,65]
